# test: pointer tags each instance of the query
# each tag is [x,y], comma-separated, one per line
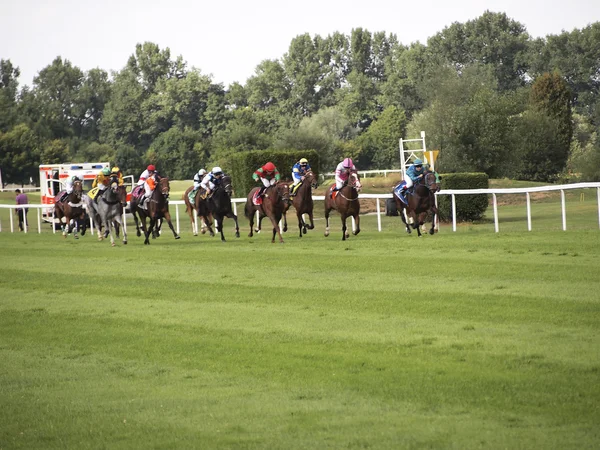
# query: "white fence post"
[598,195]
[495,213]
[564,210]
[177,217]
[453,212]
[378,215]
[528,211]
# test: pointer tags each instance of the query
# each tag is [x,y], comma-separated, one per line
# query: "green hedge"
[468,207]
[242,166]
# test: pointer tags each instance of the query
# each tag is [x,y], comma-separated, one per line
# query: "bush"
[243,165]
[468,207]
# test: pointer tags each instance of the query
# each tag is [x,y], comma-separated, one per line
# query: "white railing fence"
[452,192]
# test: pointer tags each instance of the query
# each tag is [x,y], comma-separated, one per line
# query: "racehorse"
[109,210]
[273,204]
[346,203]
[158,208]
[71,209]
[420,202]
[218,205]
[190,208]
[303,202]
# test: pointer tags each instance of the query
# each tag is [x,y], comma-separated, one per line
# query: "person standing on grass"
[21,199]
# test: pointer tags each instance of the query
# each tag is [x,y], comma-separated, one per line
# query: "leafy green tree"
[9,83]
[56,89]
[576,55]
[89,103]
[55,151]
[174,153]
[303,69]
[19,154]
[95,151]
[380,141]
[551,96]
[492,39]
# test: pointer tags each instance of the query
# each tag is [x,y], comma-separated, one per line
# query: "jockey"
[145,174]
[116,172]
[268,176]
[342,173]
[101,181]
[212,180]
[413,174]
[197,183]
[298,172]
[69,186]
[149,186]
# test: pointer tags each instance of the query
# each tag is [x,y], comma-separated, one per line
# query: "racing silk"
[298,171]
[340,172]
[101,180]
[143,177]
[121,181]
[413,174]
[262,173]
[209,182]
[69,186]
[198,181]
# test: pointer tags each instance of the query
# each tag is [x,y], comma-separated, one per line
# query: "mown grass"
[459,340]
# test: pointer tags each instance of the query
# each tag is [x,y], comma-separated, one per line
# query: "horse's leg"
[167,215]
[137,223]
[312,222]
[148,231]
[284,222]
[191,212]
[231,215]
[345,233]
[251,220]
[261,216]
[220,226]
[301,224]
[111,230]
[75,227]
[357,220]
[276,230]
[327,211]
[434,212]
[208,225]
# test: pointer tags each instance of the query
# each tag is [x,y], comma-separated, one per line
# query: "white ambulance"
[54,176]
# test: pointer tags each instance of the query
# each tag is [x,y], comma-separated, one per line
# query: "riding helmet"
[304,161]
[151,168]
[418,162]
[106,171]
[348,163]
[216,170]
[115,170]
[269,167]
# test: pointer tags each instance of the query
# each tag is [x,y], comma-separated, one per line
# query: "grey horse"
[108,210]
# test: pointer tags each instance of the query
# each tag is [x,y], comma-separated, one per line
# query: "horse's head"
[164,187]
[311,179]
[77,191]
[431,181]
[226,184]
[354,181]
[283,189]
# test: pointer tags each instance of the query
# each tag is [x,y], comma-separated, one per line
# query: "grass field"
[459,340]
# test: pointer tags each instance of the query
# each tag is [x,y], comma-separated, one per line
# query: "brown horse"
[196,207]
[420,202]
[71,209]
[346,203]
[158,208]
[274,202]
[218,205]
[303,202]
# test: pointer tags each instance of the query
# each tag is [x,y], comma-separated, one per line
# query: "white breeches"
[339,183]
[265,182]
[409,182]
[147,190]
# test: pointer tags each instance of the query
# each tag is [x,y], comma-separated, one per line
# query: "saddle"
[398,192]
[257,199]
[333,194]
[137,191]
[60,197]
[93,193]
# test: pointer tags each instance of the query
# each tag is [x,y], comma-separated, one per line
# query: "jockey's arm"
[121,181]
[277,175]
[95,182]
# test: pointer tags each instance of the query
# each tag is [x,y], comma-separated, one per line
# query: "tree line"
[490,98]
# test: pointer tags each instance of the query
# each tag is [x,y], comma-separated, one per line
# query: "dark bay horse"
[303,202]
[346,203]
[109,209]
[274,203]
[218,205]
[158,208]
[420,202]
[71,209]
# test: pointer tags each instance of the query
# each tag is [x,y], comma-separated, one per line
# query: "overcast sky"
[228,39]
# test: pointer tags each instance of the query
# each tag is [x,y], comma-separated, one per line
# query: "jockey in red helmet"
[268,175]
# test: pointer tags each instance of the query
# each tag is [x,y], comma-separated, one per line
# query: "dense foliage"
[468,207]
[489,97]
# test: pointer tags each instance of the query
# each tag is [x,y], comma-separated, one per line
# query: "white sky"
[228,39]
